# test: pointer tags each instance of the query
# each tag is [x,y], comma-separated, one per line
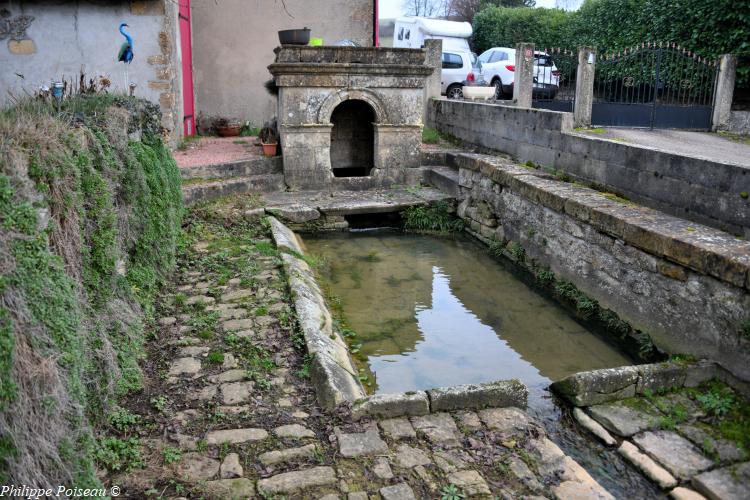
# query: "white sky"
[394,8]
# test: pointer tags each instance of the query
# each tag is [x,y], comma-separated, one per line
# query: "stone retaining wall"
[700,190]
[686,285]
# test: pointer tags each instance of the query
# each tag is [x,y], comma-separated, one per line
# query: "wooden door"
[186,42]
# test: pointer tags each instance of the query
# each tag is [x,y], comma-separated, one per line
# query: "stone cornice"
[345,69]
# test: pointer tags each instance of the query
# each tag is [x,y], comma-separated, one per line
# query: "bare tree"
[465,10]
[426,8]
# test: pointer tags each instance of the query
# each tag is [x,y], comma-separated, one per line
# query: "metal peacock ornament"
[126,52]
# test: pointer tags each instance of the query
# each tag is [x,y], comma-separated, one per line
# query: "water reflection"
[433,312]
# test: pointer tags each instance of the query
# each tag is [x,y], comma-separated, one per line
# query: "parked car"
[499,65]
[458,67]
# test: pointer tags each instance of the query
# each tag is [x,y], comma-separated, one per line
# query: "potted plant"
[269,139]
[227,128]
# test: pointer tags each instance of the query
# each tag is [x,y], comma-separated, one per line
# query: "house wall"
[233,44]
[69,36]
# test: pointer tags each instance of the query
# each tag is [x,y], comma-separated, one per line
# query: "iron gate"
[654,86]
[555,73]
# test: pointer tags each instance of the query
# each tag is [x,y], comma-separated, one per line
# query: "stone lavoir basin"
[437,311]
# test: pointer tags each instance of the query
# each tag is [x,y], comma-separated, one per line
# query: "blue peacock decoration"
[126,52]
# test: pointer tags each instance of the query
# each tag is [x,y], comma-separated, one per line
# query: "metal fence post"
[524,75]
[584,99]
[724,91]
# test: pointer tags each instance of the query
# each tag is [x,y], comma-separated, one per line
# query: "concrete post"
[523,80]
[434,59]
[724,91]
[584,99]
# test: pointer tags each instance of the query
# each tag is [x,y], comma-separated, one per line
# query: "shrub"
[707,28]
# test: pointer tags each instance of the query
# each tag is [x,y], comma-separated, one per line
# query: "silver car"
[459,67]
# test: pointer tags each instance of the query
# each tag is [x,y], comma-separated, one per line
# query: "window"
[498,56]
[543,60]
[485,57]
[452,61]
[408,33]
[401,33]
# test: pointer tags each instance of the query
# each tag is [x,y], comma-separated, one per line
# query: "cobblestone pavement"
[228,410]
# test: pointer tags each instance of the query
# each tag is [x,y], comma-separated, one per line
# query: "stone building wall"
[64,38]
[233,44]
[685,285]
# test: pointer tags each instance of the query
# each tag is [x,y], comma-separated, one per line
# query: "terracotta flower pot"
[231,130]
[270,149]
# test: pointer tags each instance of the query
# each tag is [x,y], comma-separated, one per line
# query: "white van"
[411,32]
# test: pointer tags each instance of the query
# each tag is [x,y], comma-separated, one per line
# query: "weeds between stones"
[432,219]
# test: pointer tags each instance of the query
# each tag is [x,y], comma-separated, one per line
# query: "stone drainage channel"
[615,426]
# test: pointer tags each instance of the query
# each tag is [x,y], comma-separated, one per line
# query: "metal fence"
[658,85]
[555,79]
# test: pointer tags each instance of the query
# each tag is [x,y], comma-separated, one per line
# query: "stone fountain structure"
[350,118]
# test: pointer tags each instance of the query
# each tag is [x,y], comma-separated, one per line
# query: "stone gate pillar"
[584,99]
[434,59]
[523,82]
[724,91]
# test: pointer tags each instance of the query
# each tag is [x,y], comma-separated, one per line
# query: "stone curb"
[612,384]
[497,394]
[236,168]
[700,248]
[332,370]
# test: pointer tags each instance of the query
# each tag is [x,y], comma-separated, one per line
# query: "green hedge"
[91,218]
[709,28]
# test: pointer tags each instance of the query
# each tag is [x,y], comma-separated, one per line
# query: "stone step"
[240,168]
[207,191]
[443,178]
[437,156]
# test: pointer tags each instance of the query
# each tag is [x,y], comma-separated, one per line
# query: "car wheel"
[498,89]
[454,92]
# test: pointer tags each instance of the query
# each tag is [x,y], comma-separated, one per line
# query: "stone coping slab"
[332,369]
[333,372]
[701,248]
[612,384]
[339,203]
[350,55]
[497,394]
